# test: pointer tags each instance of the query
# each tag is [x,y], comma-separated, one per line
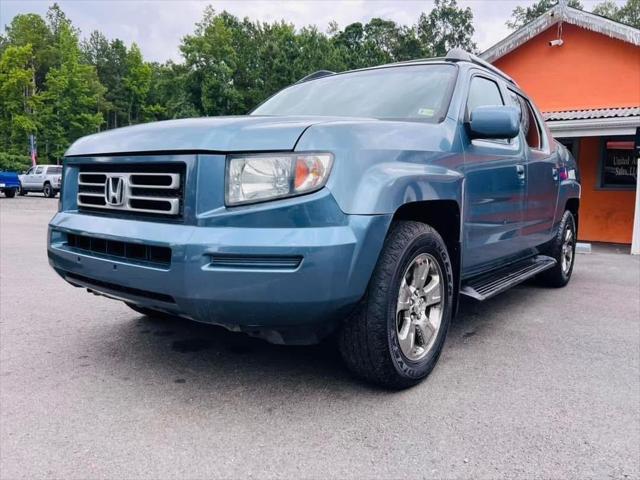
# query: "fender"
[381,166]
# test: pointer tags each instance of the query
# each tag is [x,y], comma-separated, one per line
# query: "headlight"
[257,178]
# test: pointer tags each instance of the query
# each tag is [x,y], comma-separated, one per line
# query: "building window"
[619,163]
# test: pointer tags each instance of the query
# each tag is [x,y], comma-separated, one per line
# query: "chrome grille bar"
[135,192]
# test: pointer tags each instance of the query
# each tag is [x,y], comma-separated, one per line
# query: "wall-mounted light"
[556,43]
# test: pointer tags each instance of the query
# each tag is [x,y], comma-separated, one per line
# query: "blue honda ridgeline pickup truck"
[363,203]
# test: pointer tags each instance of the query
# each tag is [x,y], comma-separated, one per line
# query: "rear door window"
[528,121]
[39,170]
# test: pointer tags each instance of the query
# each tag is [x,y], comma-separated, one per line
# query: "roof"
[564,13]
[593,123]
[592,114]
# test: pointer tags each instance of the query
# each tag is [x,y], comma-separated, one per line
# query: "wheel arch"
[573,205]
[445,217]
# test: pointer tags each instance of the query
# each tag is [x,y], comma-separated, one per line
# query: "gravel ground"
[534,383]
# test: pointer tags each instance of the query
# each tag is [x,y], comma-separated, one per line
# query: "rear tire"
[563,250]
[392,339]
[48,191]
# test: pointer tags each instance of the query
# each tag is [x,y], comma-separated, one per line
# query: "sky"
[157,26]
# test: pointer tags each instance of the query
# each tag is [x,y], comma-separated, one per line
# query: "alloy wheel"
[567,251]
[420,307]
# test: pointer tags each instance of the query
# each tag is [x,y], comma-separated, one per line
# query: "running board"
[487,285]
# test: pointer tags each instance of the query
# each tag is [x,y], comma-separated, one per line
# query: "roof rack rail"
[314,75]
[460,55]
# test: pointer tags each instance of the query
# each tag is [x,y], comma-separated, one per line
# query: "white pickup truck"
[41,178]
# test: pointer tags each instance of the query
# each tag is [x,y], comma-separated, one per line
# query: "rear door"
[542,175]
[495,189]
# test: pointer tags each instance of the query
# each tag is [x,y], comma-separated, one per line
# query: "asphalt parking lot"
[534,383]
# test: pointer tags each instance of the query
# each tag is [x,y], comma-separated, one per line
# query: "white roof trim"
[567,14]
[594,127]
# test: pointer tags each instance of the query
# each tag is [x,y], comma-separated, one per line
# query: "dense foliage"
[58,87]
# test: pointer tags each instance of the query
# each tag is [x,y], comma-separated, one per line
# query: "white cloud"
[157,26]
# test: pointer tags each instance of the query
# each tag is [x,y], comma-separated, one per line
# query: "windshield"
[404,92]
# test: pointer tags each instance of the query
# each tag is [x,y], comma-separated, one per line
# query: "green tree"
[168,97]
[73,99]
[211,58]
[629,13]
[17,104]
[31,29]
[136,81]
[520,16]
[110,60]
[445,27]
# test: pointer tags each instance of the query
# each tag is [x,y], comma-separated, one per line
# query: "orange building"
[583,72]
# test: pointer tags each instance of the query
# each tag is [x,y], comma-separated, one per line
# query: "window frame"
[601,185]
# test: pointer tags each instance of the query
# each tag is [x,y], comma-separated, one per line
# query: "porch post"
[635,242]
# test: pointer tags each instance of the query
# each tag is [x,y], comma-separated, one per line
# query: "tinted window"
[407,92]
[54,170]
[528,121]
[39,170]
[483,92]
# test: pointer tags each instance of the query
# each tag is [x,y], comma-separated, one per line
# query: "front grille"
[135,252]
[132,189]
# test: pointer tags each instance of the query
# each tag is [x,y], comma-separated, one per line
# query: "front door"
[27,180]
[495,191]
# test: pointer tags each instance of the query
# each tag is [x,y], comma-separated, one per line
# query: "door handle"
[520,172]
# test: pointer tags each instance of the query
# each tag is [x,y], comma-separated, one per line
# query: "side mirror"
[493,122]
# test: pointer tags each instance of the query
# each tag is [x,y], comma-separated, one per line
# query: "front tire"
[563,250]
[21,191]
[10,193]
[395,336]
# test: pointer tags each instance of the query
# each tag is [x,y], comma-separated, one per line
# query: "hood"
[213,134]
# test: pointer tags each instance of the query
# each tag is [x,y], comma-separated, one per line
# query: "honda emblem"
[114,193]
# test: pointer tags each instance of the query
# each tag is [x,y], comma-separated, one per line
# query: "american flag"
[34,150]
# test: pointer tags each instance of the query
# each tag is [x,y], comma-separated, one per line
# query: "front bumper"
[242,277]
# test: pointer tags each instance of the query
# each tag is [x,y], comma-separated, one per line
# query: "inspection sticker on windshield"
[426,112]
